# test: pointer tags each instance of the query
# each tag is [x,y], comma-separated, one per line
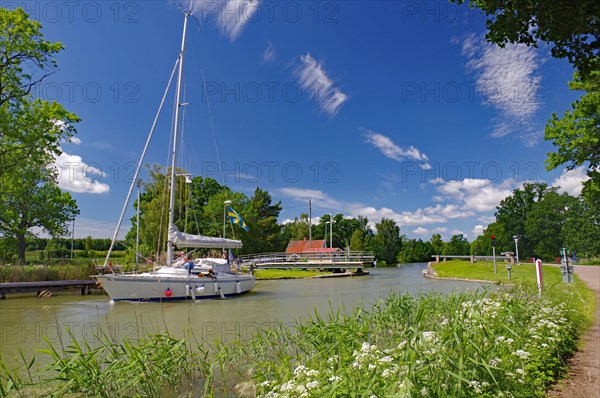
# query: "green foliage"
[544,224]
[261,217]
[570,26]
[386,245]
[30,133]
[458,246]
[437,244]
[576,135]
[415,251]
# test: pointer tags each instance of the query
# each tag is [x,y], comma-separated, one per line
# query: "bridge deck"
[328,260]
[24,287]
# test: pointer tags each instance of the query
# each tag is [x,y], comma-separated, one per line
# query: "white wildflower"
[476,386]
[521,354]
[312,384]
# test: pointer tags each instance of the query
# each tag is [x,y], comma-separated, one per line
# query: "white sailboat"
[177,280]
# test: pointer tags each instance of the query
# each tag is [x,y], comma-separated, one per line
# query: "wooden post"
[437,258]
[472,259]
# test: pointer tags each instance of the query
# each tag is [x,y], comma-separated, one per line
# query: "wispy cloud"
[268,54]
[571,181]
[318,197]
[509,81]
[323,90]
[235,14]
[231,15]
[391,150]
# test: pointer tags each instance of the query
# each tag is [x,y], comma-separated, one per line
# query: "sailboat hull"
[165,288]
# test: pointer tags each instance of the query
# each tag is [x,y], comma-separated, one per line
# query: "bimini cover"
[207,242]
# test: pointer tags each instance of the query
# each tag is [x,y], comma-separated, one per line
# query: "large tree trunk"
[21,244]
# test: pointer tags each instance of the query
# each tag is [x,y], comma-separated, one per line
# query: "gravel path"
[583,380]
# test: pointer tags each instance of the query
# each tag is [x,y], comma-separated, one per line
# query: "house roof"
[324,250]
[303,246]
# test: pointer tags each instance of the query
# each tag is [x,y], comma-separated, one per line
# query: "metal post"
[309,223]
[516,238]
[137,224]
[225,203]
[566,262]
[72,237]
[330,230]
[494,254]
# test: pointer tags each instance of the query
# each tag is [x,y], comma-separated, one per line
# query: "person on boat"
[188,264]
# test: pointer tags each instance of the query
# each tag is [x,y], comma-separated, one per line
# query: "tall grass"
[33,273]
[464,345]
[478,344]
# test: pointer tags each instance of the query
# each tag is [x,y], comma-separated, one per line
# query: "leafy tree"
[31,199]
[387,243]
[437,244]
[299,228]
[571,26]
[581,229]
[29,130]
[482,245]
[30,134]
[544,224]
[577,134]
[512,214]
[458,246]
[415,251]
[261,217]
[358,241]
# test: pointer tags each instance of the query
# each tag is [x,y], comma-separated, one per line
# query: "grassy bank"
[494,344]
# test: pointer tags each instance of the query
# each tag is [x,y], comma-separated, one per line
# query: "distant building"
[306,246]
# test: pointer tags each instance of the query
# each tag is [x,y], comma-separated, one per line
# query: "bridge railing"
[310,257]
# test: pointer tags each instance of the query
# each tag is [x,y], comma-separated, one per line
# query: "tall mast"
[175,138]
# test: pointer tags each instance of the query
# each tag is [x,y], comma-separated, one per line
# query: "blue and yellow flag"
[235,218]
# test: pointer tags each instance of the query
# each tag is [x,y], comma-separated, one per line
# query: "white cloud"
[421,231]
[77,176]
[323,90]
[475,194]
[478,230]
[508,79]
[570,181]
[391,150]
[268,54]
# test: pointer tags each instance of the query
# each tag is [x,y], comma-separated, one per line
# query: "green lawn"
[484,270]
[286,273]
[520,274]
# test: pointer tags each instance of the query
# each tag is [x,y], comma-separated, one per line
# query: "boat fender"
[199,289]
[238,287]
[187,290]
[216,287]
[168,292]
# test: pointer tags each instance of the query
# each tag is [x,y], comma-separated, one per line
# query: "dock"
[39,287]
[336,261]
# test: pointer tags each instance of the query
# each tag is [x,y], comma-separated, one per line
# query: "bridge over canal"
[311,260]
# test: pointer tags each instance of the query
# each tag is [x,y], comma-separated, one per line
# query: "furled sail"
[208,242]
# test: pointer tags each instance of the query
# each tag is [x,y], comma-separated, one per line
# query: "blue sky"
[375,108]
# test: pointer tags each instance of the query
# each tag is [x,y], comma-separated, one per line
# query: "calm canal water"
[25,321]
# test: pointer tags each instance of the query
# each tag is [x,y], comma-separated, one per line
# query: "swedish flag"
[235,218]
